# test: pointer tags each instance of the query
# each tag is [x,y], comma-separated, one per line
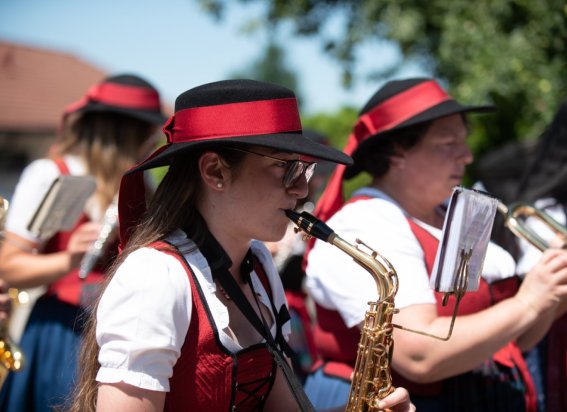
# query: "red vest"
[207,377]
[337,344]
[70,288]
[486,296]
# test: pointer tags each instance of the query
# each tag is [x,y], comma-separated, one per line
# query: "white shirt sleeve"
[143,319]
[336,282]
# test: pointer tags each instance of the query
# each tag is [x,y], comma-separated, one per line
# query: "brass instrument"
[11,358]
[372,379]
[514,219]
[92,255]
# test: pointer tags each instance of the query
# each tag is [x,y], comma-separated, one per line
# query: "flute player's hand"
[80,241]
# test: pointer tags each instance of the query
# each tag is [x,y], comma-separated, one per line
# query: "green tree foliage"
[511,53]
[337,127]
[271,66]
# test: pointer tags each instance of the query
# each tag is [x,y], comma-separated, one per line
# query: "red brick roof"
[37,84]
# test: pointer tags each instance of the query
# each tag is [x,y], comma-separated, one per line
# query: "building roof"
[37,84]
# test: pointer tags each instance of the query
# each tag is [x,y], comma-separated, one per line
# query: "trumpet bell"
[516,216]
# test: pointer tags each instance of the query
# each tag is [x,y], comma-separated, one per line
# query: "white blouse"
[144,314]
[336,282]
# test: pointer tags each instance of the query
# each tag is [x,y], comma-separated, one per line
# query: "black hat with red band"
[400,104]
[238,112]
[395,106]
[125,94]
[225,113]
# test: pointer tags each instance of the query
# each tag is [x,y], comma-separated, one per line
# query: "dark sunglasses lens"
[310,171]
[295,170]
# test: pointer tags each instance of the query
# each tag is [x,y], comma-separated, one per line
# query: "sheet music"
[62,205]
[467,228]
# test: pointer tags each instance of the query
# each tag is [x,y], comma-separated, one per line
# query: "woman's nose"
[300,189]
[466,154]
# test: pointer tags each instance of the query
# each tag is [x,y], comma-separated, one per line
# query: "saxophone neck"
[382,271]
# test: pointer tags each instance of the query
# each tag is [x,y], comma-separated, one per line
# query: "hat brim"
[286,142]
[444,109]
[150,116]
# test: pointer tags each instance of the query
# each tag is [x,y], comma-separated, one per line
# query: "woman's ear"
[398,158]
[212,170]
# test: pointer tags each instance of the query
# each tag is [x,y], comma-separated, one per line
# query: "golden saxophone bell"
[515,217]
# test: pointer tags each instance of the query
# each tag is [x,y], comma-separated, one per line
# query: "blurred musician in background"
[102,135]
[411,137]
[544,185]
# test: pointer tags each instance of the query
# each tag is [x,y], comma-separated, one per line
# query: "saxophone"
[372,379]
[11,357]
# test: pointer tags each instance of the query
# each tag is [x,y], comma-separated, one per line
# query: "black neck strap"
[231,287]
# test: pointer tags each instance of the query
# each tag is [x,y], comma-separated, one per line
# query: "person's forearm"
[475,338]
[26,270]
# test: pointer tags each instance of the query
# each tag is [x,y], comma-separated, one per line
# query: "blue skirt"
[326,391]
[50,345]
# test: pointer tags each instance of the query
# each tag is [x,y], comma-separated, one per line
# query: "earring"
[219,185]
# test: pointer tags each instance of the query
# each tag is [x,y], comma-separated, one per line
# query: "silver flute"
[92,255]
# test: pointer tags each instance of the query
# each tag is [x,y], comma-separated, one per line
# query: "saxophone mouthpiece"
[310,225]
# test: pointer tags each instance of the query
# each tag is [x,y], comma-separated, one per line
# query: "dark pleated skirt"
[50,345]
[490,388]
[536,361]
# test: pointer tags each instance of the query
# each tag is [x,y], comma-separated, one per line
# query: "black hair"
[376,159]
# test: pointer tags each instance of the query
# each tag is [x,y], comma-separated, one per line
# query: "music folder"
[62,205]
[464,241]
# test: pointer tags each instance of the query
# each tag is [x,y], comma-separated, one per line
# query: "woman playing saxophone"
[411,137]
[193,317]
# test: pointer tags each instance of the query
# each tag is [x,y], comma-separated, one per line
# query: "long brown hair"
[109,143]
[172,206]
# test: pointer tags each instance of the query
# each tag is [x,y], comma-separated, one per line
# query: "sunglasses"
[294,169]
